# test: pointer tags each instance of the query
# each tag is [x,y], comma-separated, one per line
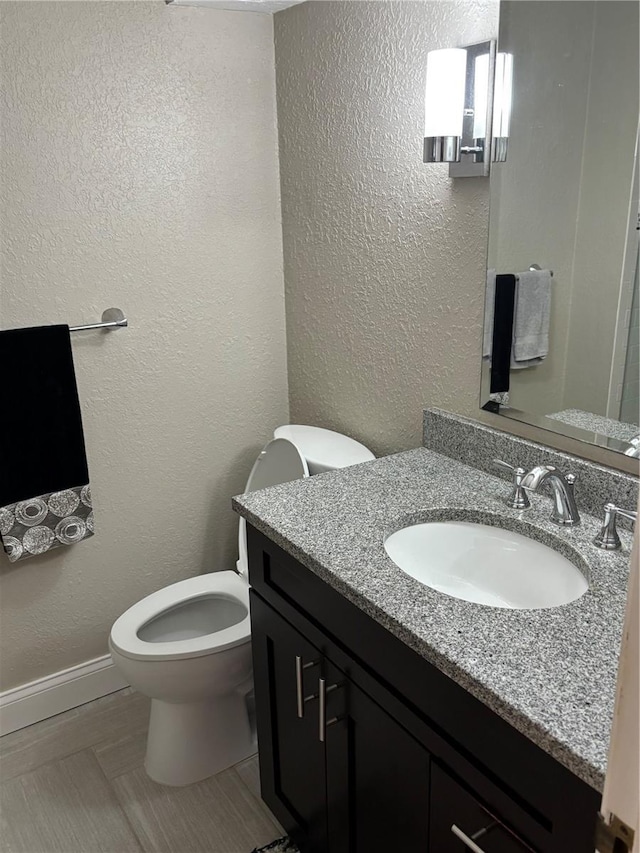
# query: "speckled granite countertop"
[597,423]
[550,673]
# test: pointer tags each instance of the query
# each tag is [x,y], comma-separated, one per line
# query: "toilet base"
[188,742]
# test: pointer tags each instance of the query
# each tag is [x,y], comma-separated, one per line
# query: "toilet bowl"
[188,646]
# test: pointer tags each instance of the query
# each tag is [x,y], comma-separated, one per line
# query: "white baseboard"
[59,692]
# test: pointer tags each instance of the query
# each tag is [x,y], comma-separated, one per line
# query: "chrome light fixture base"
[441,149]
[499,145]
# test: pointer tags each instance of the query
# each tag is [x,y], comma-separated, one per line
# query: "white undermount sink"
[486,565]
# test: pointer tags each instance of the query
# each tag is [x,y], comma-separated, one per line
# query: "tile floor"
[75,784]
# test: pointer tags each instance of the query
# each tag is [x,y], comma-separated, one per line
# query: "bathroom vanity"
[397,753]
[393,717]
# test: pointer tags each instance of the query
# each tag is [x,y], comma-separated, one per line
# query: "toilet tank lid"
[324,447]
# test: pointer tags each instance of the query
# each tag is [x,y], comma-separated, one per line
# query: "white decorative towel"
[531,320]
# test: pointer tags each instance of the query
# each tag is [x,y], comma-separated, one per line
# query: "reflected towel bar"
[534,268]
[112,318]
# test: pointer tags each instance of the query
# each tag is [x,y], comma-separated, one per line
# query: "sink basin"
[486,565]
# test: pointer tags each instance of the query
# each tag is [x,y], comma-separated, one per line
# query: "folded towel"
[531,320]
[489,306]
[502,337]
[45,499]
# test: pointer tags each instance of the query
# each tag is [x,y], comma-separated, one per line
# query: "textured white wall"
[384,255]
[139,169]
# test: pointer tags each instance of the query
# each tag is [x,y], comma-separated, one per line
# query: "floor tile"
[122,756]
[106,720]
[66,807]
[249,771]
[218,815]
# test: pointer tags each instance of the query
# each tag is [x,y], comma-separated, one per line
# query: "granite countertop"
[597,423]
[550,673]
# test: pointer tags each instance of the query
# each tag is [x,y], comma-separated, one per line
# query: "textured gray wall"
[139,169]
[384,256]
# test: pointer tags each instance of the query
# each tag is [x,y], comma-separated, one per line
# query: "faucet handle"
[608,538]
[500,463]
[518,498]
[570,480]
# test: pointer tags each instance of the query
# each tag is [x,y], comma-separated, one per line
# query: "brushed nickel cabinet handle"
[300,698]
[466,840]
[323,723]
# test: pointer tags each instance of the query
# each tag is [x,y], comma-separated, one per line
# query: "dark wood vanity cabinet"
[295,786]
[344,776]
[456,814]
[365,747]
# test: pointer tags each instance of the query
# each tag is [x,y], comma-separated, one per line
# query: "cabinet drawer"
[461,824]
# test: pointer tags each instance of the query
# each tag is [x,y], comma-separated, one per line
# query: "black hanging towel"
[502,332]
[45,499]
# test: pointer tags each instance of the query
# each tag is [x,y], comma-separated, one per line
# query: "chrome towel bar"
[534,268]
[112,318]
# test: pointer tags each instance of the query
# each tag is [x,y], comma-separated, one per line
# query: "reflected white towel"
[531,320]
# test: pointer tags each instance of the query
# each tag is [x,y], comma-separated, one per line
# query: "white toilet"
[188,646]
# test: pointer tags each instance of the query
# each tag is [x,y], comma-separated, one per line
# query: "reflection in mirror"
[561,323]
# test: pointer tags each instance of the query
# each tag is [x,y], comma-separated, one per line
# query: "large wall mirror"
[561,322]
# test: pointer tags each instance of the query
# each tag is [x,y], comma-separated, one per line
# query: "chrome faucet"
[565,511]
[608,538]
[634,447]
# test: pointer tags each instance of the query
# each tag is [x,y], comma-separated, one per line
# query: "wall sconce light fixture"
[444,104]
[467,108]
[502,95]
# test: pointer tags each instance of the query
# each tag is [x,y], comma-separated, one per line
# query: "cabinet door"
[292,758]
[377,776]
[460,824]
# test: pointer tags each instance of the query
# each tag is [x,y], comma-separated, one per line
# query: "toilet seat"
[280,461]
[124,634]
[324,449]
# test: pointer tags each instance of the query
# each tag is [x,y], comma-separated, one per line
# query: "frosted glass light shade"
[444,92]
[502,94]
[480,96]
